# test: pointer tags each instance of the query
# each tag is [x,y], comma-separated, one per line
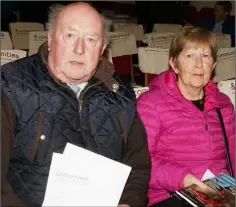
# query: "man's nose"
[79,47]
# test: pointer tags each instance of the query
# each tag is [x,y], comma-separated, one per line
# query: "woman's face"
[194,66]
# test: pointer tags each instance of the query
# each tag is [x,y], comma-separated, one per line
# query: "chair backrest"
[223,40]
[228,87]
[134,29]
[20,33]
[6,43]
[162,39]
[11,55]
[166,28]
[153,60]
[139,90]
[225,68]
[122,43]
[36,39]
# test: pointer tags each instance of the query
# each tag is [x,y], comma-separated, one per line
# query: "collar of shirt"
[77,88]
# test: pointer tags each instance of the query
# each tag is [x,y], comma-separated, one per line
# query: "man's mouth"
[76,63]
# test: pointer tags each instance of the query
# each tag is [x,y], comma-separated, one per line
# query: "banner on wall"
[153,60]
[166,28]
[228,88]
[11,55]
[134,29]
[122,43]
[225,68]
[161,40]
[20,33]
[6,43]
[36,39]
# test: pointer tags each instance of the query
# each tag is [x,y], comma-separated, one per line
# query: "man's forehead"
[83,24]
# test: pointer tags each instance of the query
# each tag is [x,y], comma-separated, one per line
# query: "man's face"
[75,46]
[219,13]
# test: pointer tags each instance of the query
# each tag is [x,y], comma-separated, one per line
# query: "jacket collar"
[105,69]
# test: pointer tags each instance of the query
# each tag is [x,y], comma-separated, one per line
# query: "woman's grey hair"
[54,11]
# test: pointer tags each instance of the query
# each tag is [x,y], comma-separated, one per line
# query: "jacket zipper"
[80,99]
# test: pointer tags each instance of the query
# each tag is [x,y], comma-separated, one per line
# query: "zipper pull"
[206,127]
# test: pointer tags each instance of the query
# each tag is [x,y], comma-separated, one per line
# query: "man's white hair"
[54,11]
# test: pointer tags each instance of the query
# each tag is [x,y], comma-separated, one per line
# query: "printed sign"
[134,29]
[153,60]
[11,55]
[139,90]
[223,40]
[147,36]
[228,88]
[161,40]
[6,43]
[122,43]
[20,33]
[166,28]
[225,68]
[36,39]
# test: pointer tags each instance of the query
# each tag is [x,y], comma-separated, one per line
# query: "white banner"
[139,90]
[223,40]
[122,43]
[161,40]
[153,60]
[134,29]
[20,33]
[228,88]
[6,43]
[166,28]
[11,55]
[225,68]
[147,36]
[37,38]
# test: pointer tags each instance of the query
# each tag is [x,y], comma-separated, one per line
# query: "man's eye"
[69,35]
[91,40]
[189,55]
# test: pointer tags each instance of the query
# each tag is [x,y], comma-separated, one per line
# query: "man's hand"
[123,205]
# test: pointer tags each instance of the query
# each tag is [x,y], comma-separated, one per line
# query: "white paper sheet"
[79,177]
[207,175]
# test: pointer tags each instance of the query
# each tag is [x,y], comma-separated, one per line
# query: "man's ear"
[49,39]
[103,49]
[172,63]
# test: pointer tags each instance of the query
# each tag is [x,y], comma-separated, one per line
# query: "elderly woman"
[185,137]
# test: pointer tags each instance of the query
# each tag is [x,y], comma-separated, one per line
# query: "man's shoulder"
[123,88]
[17,65]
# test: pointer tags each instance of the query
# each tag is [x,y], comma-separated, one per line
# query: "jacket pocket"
[123,125]
[39,133]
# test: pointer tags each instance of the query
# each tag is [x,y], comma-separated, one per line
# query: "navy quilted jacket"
[48,115]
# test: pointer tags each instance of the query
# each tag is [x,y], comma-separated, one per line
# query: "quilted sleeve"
[229,122]
[8,197]
[165,174]
[136,155]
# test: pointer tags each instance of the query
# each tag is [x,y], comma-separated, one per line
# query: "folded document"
[79,177]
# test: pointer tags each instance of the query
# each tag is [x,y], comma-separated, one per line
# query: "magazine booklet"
[220,192]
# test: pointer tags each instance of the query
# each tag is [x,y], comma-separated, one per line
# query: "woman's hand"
[190,179]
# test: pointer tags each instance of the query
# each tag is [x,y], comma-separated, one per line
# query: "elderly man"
[68,93]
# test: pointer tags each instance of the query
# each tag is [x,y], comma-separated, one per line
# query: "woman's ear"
[172,63]
[214,65]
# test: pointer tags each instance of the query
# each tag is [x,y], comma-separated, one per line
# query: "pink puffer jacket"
[181,138]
